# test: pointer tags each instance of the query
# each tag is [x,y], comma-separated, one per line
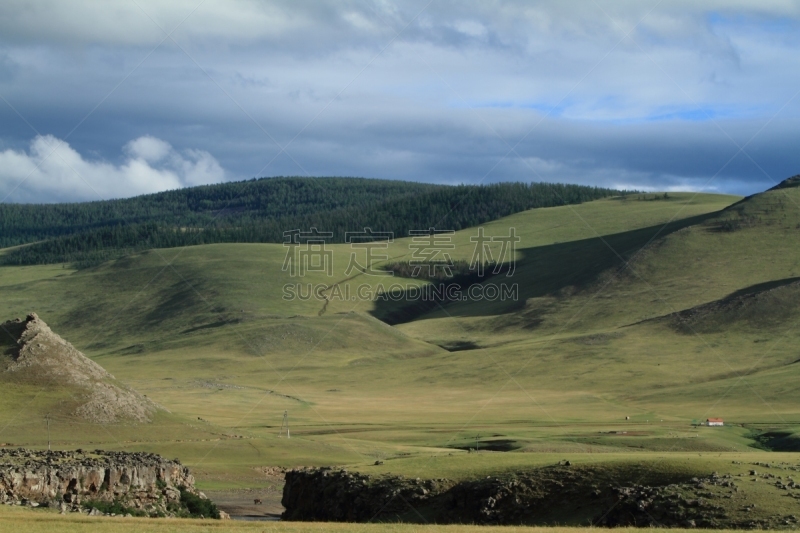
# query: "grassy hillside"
[204,331]
[724,347]
[655,272]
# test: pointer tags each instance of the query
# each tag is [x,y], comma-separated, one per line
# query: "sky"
[104,100]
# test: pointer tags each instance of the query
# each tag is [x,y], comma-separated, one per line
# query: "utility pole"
[47,417]
[285,423]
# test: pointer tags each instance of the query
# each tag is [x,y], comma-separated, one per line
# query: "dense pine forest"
[260,210]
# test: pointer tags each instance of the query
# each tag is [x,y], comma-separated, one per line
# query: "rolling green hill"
[189,313]
[664,311]
[724,345]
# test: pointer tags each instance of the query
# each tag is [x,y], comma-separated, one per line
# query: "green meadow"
[635,319]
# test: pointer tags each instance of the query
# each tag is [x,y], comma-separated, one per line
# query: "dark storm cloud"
[628,94]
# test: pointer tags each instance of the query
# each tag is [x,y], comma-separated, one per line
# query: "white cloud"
[51,170]
[148,148]
[198,168]
[592,89]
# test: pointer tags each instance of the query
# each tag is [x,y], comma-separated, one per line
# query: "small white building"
[714,422]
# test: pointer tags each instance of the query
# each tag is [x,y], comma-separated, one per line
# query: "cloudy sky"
[111,99]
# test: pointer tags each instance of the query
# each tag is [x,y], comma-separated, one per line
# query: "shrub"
[197,506]
[112,507]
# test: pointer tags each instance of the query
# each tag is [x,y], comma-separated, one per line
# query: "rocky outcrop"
[324,494]
[701,502]
[336,495]
[330,495]
[50,355]
[38,355]
[141,482]
[559,494]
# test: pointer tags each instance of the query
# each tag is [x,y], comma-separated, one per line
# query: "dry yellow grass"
[35,521]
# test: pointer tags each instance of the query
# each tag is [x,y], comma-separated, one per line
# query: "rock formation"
[559,494]
[325,494]
[35,354]
[142,483]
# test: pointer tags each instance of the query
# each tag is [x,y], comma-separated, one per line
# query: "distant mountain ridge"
[197,206]
[261,211]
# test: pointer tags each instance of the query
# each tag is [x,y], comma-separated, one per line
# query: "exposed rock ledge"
[142,483]
[559,494]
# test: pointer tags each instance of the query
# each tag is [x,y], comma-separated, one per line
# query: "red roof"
[714,420]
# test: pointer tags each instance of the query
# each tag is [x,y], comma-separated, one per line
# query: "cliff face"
[140,481]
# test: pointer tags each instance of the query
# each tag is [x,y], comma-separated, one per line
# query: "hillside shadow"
[540,271]
[764,305]
[459,346]
[10,333]
[762,287]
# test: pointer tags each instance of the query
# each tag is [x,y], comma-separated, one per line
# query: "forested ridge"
[261,211]
[198,206]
